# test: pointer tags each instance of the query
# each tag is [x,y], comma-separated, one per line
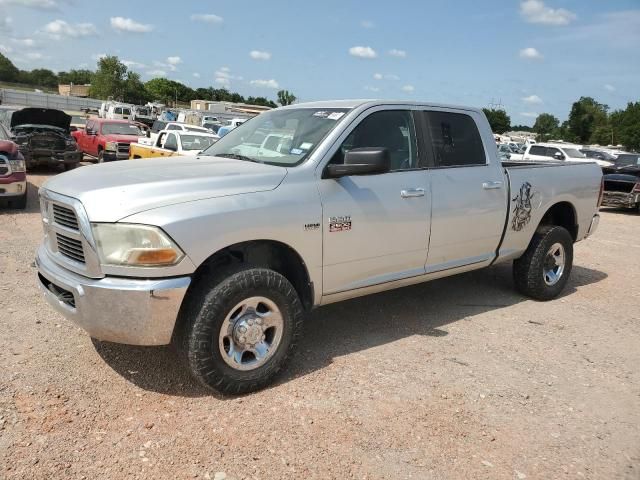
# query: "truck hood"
[112,137]
[115,190]
[41,116]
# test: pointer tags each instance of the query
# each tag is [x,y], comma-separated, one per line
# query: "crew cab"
[169,143]
[44,138]
[223,253]
[559,151]
[13,177]
[108,140]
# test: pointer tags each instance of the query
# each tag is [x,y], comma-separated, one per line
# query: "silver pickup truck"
[223,253]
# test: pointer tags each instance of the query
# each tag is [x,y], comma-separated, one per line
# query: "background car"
[13,177]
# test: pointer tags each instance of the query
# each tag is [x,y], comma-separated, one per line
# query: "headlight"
[70,143]
[111,146]
[17,165]
[133,245]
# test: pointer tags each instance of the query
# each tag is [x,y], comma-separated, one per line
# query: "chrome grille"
[4,166]
[70,247]
[123,148]
[65,217]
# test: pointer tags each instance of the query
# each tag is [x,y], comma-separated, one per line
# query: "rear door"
[468,194]
[376,227]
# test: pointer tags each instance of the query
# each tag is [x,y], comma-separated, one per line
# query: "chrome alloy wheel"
[554,263]
[251,333]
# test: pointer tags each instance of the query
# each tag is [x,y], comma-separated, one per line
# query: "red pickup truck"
[107,140]
[13,179]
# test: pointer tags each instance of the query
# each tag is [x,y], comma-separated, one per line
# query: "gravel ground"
[457,378]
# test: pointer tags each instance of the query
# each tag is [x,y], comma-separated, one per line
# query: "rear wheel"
[544,269]
[69,166]
[237,333]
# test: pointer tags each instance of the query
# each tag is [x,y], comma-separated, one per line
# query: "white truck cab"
[559,151]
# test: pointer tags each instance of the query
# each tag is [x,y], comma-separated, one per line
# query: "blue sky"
[534,56]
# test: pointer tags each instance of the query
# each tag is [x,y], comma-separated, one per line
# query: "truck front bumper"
[14,185]
[112,156]
[620,199]
[48,157]
[120,310]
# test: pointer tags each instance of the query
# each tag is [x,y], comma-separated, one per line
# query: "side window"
[552,151]
[536,150]
[456,140]
[173,127]
[171,143]
[390,129]
[90,125]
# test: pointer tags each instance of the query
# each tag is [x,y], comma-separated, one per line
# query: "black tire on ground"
[528,270]
[69,166]
[100,156]
[20,203]
[207,305]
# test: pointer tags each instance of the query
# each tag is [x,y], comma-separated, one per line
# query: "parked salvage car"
[44,138]
[170,143]
[622,182]
[108,140]
[223,253]
[559,151]
[13,176]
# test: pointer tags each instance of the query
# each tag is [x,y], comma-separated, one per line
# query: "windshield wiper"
[236,156]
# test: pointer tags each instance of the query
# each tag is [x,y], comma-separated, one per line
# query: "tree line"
[113,79]
[589,122]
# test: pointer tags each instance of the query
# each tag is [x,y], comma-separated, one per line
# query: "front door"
[376,227]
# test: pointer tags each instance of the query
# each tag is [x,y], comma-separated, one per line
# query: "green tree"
[110,78]
[261,101]
[77,77]
[626,126]
[42,77]
[285,97]
[8,71]
[134,89]
[498,119]
[521,128]
[585,116]
[545,125]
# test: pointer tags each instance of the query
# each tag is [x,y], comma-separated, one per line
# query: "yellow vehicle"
[170,143]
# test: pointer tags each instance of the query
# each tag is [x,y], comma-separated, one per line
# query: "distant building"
[227,107]
[74,90]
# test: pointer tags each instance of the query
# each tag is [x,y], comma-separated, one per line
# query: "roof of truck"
[372,103]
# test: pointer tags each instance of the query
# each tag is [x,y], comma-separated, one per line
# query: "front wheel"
[100,156]
[544,269]
[238,333]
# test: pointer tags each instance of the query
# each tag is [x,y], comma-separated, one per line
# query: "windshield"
[121,129]
[143,111]
[280,137]
[573,153]
[627,160]
[196,142]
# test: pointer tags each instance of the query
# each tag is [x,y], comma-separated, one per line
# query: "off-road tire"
[528,269]
[207,304]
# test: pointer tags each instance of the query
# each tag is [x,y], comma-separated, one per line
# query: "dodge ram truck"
[221,254]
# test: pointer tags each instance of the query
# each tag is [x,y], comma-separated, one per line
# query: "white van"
[118,112]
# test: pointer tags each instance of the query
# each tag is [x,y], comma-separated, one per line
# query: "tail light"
[601,194]
[636,188]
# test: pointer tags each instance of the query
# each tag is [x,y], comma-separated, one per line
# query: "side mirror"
[558,156]
[361,161]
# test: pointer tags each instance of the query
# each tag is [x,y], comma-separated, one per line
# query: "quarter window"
[456,140]
[171,143]
[390,129]
[536,150]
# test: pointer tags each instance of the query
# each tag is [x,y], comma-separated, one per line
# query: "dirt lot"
[458,378]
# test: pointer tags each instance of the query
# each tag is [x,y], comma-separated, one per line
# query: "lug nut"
[243,329]
[259,321]
[250,322]
[243,339]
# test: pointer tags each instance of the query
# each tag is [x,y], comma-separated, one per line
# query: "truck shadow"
[351,326]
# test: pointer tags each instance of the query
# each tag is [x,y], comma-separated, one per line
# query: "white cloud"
[367,24]
[371,89]
[34,56]
[394,52]
[377,76]
[206,18]
[260,55]
[223,76]
[529,114]
[265,83]
[133,64]
[157,73]
[98,56]
[5,23]
[386,76]
[59,29]
[5,49]
[362,52]
[25,42]
[39,4]
[196,75]
[535,11]
[121,24]
[174,60]
[408,88]
[225,82]
[530,53]
[532,99]
[609,88]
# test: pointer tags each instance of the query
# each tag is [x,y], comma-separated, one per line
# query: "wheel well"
[270,254]
[564,215]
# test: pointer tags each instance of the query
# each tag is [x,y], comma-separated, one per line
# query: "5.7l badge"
[340,224]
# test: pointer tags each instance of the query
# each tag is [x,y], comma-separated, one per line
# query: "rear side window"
[173,127]
[455,139]
[536,150]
